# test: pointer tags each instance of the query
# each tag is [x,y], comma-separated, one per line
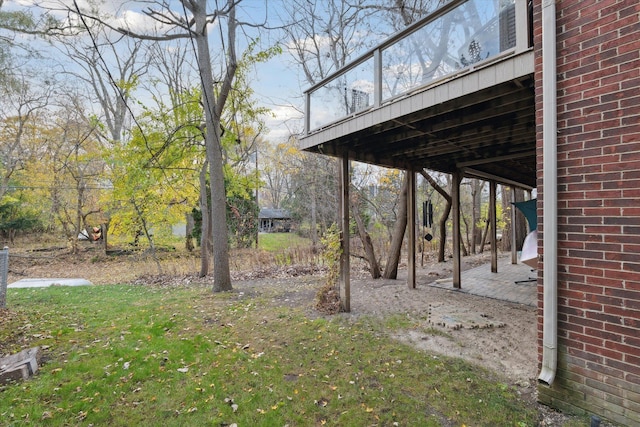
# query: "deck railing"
[456,38]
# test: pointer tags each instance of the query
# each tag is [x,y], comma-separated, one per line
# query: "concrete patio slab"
[511,282]
[44,283]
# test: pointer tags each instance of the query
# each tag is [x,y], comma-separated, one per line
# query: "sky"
[275,82]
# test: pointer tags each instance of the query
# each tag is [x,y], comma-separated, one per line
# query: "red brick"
[606,370]
[632,359]
[604,317]
[632,266]
[631,248]
[634,193]
[604,229]
[605,265]
[578,371]
[625,129]
[633,377]
[603,335]
[581,304]
[621,202]
[635,342]
[620,275]
[604,352]
[619,364]
[624,331]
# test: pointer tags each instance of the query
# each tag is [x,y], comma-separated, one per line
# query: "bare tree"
[76,167]
[477,187]
[274,172]
[442,222]
[112,82]
[19,104]
[192,21]
[391,268]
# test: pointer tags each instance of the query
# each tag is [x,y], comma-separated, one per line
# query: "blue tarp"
[529,209]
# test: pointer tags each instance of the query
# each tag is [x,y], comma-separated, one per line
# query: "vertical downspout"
[550,189]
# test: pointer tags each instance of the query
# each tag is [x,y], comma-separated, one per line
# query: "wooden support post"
[514,243]
[494,222]
[345,282]
[455,201]
[411,223]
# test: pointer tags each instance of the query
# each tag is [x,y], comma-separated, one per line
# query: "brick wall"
[598,46]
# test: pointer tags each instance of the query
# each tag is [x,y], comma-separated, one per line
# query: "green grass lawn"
[133,355]
[273,242]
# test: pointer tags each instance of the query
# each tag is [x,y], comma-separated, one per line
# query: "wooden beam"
[345,266]
[455,201]
[411,229]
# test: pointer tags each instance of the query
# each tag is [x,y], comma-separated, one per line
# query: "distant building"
[274,221]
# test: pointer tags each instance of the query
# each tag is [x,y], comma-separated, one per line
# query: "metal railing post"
[307,112]
[522,25]
[377,78]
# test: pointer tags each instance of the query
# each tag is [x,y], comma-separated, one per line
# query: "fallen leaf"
[322,402]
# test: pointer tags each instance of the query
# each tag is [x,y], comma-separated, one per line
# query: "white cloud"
[285,120]
[136,22]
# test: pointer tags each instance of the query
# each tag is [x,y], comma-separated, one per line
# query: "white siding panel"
[406,106]
[504,71]
[441,93]
[428,99]
[395,109]
[377,115]
[416,102]
[524,64]
[470,83]
[487,77]
[368,119]
[455,88]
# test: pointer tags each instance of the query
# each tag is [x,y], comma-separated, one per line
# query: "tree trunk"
[476,193]
[442,228]
[314,217]
[521,220]
[188,244]
[442,223]
[205,225]
[147,234]
[463,248]
[505,245]
[391,268]
[483,242]
[105,236]
[366,241]
[213,109]
[467,228]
